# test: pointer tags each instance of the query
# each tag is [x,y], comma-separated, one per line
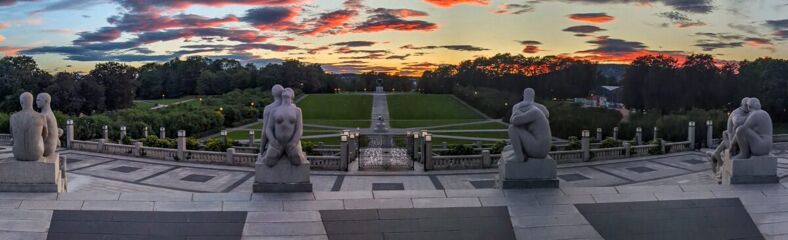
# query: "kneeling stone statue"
[283,166]
[35,167]
[525,162]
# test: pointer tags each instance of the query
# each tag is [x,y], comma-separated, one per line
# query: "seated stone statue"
[754,137]
[736,119]
[52,138]
[276,94]
[28,130]
[529,129]
[284,133]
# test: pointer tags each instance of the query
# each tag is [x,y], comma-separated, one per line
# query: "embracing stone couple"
[35,135]
[748,133]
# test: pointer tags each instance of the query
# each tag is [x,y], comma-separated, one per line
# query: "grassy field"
[419,110]
[147,104]
[341,110]
[436,141]
[502,135]
[487,125]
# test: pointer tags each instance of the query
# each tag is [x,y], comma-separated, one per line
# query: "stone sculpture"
[283,166]
[525,162]
[276,94]
[28,130]
[529,129]
[53,133]
[754,136]
[748,158]
[284,133]
[36,166]
[736,119]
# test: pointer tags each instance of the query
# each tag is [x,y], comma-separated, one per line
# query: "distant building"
[602,97]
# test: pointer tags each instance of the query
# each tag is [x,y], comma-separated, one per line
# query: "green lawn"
[501,135]
[339,123]
[340,110]
[330,141]
[436,141]
[487,125]
[147,104]
[424,110]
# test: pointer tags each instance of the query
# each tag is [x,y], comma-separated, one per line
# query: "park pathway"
[381,153]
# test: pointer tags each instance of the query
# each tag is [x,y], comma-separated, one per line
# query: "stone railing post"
[691,134]
[416,147]
[181,145]
[639,136]
[162,133]
[627,147]
[137,151]
[69,133]
[122,134]
[409,143]
[662,146]
[585,145]
[428,164]
[656,134]
[343,153]
[350,146]
[100,145]
[599,134]
[228,157]
[145,132]
[709,134]
[615,133]
[251,138]
[105,133]
[486,160]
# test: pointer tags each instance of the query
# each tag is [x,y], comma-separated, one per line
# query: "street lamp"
[223,133]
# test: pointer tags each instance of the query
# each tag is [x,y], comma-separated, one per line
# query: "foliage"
[574,144]
[460,149]
[657,150]
[609,143]
[154,141]
[217,145]
[497,148]
[308,148]
[5,124]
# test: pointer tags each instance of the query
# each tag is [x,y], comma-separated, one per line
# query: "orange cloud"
[450,3]
[591,17]
[628,57]
[531,49]
[757,42]
[332,20]
[9,51]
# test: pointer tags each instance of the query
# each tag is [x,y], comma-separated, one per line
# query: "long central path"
[381,152]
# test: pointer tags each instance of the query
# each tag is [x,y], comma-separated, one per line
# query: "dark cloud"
[514,8]
[353,4]
[157,5]
[781,34]
[693,6]
[618,50]
[5,3]
[69,5]
[354,44]
[272,18]
[591,17]
[104,34]
[720,36]
[583,29]
[449,47]
[400,57]
[529,42]
[400,13]
[613,45]
[745,28]
[382,20]
[147,22]
[348,50]
[680,20]
[709,45]
[328,21]
[755,41]
[778,24]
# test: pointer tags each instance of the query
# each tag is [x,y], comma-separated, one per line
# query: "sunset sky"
[398,36]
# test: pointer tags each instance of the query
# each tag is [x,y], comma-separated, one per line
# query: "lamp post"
[223,133]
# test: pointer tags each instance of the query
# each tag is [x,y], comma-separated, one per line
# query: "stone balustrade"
[5,139]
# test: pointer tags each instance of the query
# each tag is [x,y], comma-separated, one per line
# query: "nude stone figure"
[276,94]
[736,119]
[284,130]
[529,129]
[51,140]
[754,137]
[28,129]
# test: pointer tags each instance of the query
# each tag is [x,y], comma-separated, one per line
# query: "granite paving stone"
[410,194]
[253,206]
[446,202]
[378,203]
[118,205]
[296,216]
[313,205]
[284,229]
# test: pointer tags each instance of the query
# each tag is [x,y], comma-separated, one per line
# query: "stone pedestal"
[534,173]
[46,175]
[753,170]
[282,177]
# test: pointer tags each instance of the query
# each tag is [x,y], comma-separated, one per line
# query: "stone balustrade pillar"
[656,134]
[251,138]
[122,134]
[145,132]
[627,150]
[486,159]
[416,147]
[69,133]
[343,153]
[137,151]
[228,156]
[691,134]
[350,146]
[615,133]
[162,133]
[639,136]
[662,146]
[105,133]
[428,164]
[181,145]
[599,134]
[585,145]
[709,134]
[100,145]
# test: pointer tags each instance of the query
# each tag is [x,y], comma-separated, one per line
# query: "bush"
[658,149]
[497,148]
[574,144]
[610,143]
[5,124]
[308,147]
[460,149]
[154,141]
[216,145]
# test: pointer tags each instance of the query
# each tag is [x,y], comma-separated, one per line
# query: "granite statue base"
[534,173]
[753,170]
[282,177]
[45,175]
